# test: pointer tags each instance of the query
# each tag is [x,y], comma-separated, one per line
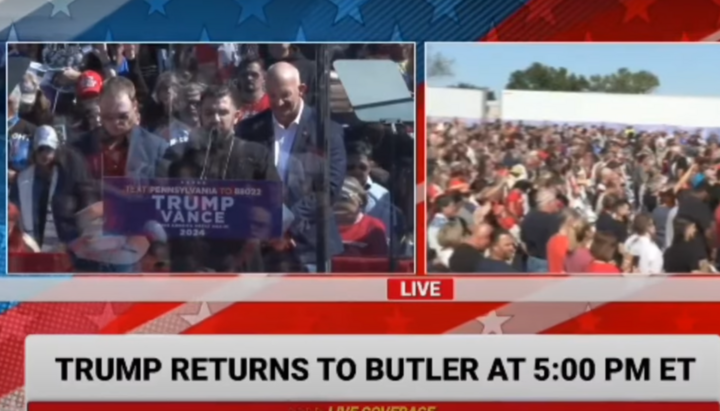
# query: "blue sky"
[683,69]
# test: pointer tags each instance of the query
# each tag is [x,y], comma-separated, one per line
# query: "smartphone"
[635,261]
[60,129]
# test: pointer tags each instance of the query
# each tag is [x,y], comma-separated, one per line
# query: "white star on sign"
[104,318]
[14,325]
[157,6]
[350,8]
[60,6]
[397,36]
[202,315]
[300,37]
[492,323]
[444,8]
[12,34]
[204,37]
[252,8]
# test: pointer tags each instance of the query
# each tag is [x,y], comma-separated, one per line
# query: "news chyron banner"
[371,373]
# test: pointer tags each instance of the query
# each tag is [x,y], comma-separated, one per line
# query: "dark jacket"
[73,192]
[145,152]
[244,161]
[302,177]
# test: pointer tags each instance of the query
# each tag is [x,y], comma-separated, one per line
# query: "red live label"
[439,289]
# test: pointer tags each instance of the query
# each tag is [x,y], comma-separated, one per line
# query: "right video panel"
[572,158]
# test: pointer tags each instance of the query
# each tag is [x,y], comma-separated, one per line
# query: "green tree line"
[542,77]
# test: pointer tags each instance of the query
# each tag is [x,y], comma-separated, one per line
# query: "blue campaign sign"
[216,209]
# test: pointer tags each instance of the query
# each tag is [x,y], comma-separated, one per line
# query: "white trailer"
[445,104]
[639,110]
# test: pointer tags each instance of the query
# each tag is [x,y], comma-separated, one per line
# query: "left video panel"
[218,158]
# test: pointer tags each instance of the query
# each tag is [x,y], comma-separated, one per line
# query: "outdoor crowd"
[518,198]
[218,112]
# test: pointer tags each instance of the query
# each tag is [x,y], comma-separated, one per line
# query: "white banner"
[379,368]
[369,288]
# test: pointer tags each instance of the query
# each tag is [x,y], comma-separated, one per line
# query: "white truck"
[643,111]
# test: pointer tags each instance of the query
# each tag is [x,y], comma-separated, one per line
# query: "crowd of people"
[569,199]
[232,112]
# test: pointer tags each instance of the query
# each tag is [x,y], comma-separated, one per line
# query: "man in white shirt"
[288,129]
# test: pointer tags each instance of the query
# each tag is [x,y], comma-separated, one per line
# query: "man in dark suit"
[119,148]
[288,130]
[214,153]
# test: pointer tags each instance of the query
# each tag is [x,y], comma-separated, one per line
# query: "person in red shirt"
[362,235]
[563,241]
[251,87]
[603,250]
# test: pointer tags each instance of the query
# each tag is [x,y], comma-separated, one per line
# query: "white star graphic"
[14,324]
[104,318]
[157,6]
[300,37]
[202,314]
[492,323]
[250,8]
[397,36]
[349,8]
[60,6]
[444,8]
[12,34]
[204,37]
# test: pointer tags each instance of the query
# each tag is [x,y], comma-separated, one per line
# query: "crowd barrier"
[60,263]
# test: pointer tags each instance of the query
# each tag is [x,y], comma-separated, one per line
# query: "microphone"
[214,135]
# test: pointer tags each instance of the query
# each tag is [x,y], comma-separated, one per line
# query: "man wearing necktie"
[288,129]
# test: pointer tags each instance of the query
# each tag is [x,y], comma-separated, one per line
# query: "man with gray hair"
[288,130]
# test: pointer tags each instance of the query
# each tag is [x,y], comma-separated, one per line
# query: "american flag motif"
[348,20]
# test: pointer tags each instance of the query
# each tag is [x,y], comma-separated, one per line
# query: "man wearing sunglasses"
[118,148]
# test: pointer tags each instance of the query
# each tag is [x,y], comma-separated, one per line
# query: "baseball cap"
[458,185]
[518,171]
[46,136]
[89,85]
